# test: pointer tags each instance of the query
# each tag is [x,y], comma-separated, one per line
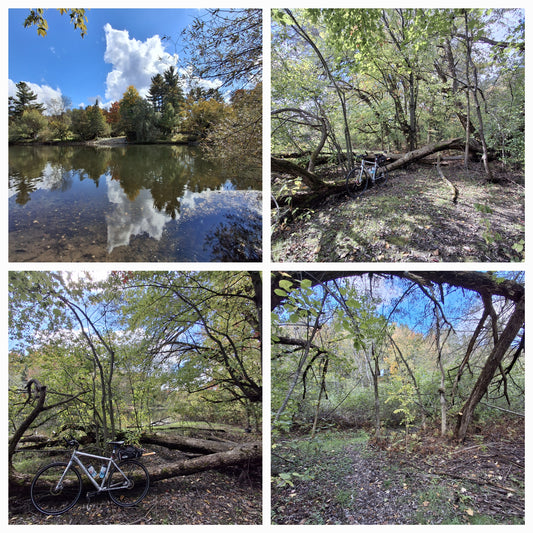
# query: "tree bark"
[245,453]
[481,132]
[375,385]
[456,143]
[187,444]
[14,440]
[286,167]
[492,364]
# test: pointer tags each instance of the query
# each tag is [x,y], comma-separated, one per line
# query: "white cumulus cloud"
[134,62]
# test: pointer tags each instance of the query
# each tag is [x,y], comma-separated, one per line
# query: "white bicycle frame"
[372,169]
[99,487]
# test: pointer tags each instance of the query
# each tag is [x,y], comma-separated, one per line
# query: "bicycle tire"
[382,175]
[130,495]
[357,181]
[43,495]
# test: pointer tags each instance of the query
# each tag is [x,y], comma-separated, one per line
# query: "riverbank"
[110,141]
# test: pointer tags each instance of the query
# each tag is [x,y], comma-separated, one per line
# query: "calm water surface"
[130,203]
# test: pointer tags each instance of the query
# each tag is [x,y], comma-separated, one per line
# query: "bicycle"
[57,487]
[358,178]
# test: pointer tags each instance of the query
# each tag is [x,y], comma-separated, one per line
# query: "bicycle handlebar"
[379,159]
[72,443]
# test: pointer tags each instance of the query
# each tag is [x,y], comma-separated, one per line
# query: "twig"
[453,187]
[502,409]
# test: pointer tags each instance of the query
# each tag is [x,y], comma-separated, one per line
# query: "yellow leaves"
[469,512]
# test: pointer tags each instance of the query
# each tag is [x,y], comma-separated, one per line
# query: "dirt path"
[435,482]
[410,218]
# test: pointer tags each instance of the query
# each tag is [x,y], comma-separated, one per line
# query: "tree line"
[445,346]
[135,350]
[225,45]
[165,112]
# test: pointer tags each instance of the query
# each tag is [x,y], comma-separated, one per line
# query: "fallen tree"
[244,454]
[188,444]
[318,189]
[204,454]
[236,455]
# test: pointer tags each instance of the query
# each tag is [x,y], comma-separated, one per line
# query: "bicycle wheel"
[382,175]
[47,496]
[356,182]
[131,491]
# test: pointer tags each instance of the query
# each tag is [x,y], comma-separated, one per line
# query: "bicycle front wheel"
[49,495]
[129,490]
[356,182]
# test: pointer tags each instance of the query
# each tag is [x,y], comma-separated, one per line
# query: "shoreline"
[103,142]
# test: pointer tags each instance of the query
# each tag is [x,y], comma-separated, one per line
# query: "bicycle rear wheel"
[51,498]
[356,182]
[128,492]
[382,175]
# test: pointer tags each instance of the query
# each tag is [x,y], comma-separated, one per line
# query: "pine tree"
[173,92]
[24,100]
[97,125]
[156,92]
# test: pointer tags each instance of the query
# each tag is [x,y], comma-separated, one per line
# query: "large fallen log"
[410,157]
[187,444]
[243,454]
[320,190]
[286,167]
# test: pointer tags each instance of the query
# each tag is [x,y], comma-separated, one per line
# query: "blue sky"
[122,47]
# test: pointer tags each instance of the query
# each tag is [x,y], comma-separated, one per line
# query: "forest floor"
[346,479]
[411,218]
[230,496]
[207,498]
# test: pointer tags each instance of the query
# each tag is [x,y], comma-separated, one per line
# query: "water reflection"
[62,198]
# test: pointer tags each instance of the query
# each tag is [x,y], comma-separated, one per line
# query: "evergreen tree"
[168,120]
[24,100]
[97,125]
[173,93]
[156,93]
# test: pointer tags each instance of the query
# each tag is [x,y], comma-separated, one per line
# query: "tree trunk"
[187,444]
[286,167]
[340,93]
[375,383]
[14,440]
[442,388]
[491,366]
[309,342]
[249,452]
[456,143]
[322,389]
[481,133]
